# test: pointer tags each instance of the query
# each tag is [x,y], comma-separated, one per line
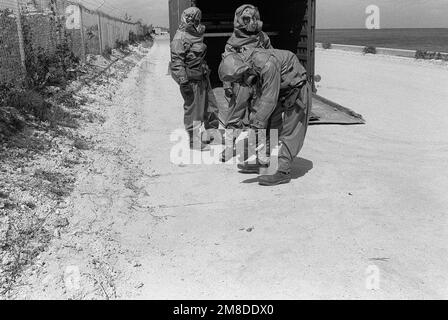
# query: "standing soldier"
[283,89]
[189,69]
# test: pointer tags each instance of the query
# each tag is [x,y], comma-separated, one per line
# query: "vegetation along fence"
[35,30]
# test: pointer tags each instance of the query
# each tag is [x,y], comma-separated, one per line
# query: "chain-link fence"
[29,28]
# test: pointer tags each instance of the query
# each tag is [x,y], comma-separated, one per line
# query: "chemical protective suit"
[283,89]
[247,34]
[189,69]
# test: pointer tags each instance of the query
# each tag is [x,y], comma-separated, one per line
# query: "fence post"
[20,37]
[83,40]
[100,33]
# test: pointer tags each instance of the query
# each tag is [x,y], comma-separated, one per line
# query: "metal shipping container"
[289,23]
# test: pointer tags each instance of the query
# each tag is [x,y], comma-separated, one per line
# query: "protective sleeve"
[178,56]
[267,42]
[270,78]
[228,49]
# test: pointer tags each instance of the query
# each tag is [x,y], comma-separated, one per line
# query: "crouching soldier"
[189,69]
[247,34]
[283,92]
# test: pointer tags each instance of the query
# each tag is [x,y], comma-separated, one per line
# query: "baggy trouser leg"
[265,145]
[211,109]
[234,118]
[293,133]
[275,123]
[194,108]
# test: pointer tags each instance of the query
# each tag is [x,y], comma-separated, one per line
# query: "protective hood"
[247,19]
[233,68]
[191,21]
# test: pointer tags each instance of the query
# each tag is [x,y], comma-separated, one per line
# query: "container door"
[306,45]
[312,40]
[176,9]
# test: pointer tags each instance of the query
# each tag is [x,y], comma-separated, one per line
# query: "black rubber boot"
[274,180]
[247,168]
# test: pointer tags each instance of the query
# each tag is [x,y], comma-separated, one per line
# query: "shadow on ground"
[300,168]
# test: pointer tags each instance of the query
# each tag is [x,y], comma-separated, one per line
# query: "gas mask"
[196,23]
[200,28]
[250,19]
[191,18]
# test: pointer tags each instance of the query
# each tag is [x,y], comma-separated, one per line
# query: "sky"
[330,13]
[153,12]
[393,13]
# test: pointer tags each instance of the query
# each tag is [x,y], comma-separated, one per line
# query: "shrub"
[369,49]
[121,45]
[5,90]
[29,102]
[44,69]
[145,36]
[133,39]
[429,55]
[10,119]
[107,52]
[326,45]
[10,122]
[50,70]
[420,54]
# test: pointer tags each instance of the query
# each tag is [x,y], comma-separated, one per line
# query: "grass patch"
[29,102]
[23,237]
[33,103]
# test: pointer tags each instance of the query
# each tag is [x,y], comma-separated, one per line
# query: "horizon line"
[352,28]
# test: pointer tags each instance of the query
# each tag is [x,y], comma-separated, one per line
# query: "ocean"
[412,39]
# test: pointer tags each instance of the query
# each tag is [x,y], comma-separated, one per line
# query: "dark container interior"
[289,23]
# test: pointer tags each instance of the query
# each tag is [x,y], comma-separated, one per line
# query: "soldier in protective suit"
[247,34]
[283,93]
[189,69]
